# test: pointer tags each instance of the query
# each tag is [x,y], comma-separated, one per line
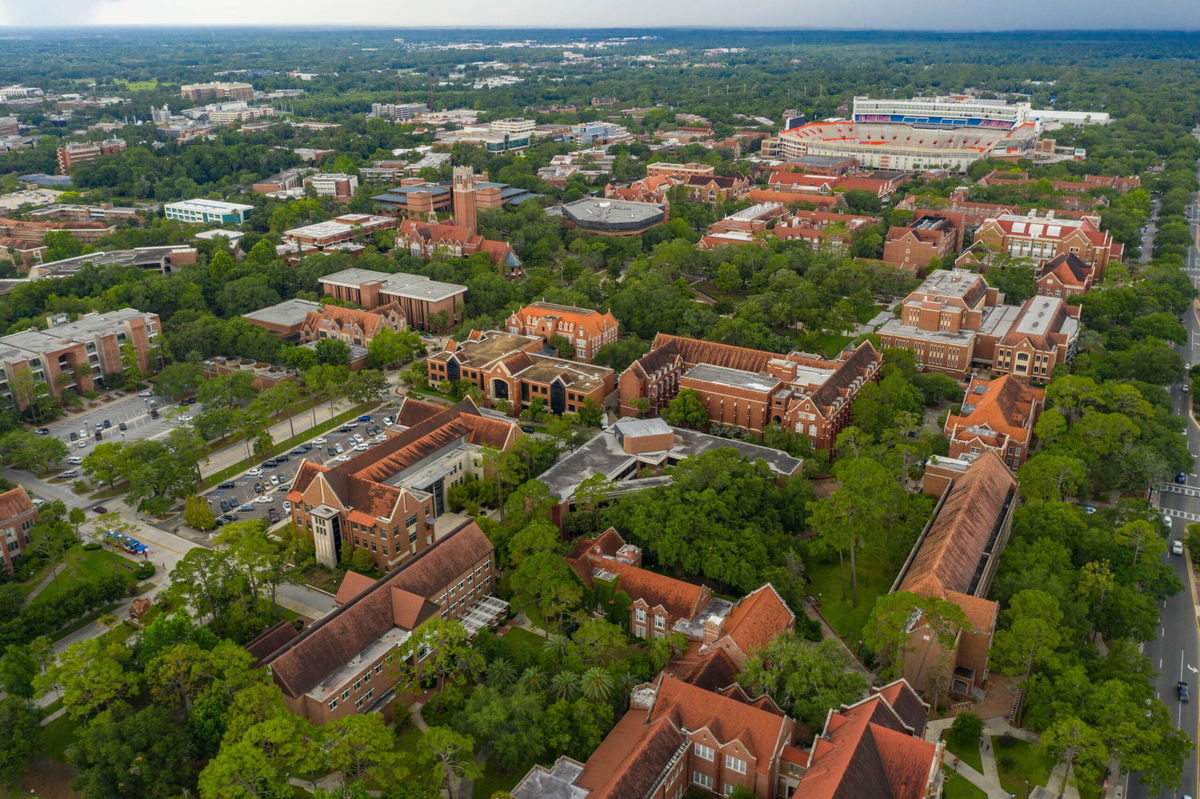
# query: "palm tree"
[563,685]
[534,678]
[596,684]
[501,672]
[558,645]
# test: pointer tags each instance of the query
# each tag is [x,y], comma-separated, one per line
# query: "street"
[1175,652]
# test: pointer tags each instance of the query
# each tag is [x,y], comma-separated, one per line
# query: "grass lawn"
[524,644]
[82,564]
[874,580]
[958,787]
[57,736]
[970,754]
[828,344]
[1019,761]
[494,780]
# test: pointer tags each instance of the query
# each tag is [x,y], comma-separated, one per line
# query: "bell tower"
[464,198]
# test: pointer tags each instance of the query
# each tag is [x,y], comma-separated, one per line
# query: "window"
[727,789]
[702,779]
[660,622]
[345,694]
[641,614]
[735,764]
[358,684]
[703,752]
[378,667]
[333,703]
[367,677]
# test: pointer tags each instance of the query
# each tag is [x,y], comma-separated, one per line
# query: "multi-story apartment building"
[200,211]
[954,320]
[930,235]
[752,388]
[1042,237]
[669,169]
[351,325]
[586,329]
[420,298]
[346,227]
[349,661]
[71,154]
[386,500]
[509,367]
[397,111]
[79,355]
[9,127]
[18,515]
[996,415]
[199,92]
[230,113]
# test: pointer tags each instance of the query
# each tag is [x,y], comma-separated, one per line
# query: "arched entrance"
[499,389]
[558,398]
[452,370]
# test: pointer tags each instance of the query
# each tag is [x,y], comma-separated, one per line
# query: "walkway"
[989,780]
[828,632]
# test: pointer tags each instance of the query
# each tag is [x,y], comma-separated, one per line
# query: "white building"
[207,212]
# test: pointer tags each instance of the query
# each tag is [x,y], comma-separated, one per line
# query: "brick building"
[587,330]
[930,234]
[25,230]
[418,297]
[954,320]
[348,661]
[955,560]
[284,181]
[752,388]
[347,227]
[510,367]
[386,500]
[332,184]
[351,325]
[425,240]
[1045,236]
[669,169]
[714,189]
[997,415]
[87,350]
[1064,276]
[71,154]
[199,92]
[18,515]
[284,319]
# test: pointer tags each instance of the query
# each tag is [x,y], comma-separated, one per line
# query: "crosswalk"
[1176,488]
[1182,514]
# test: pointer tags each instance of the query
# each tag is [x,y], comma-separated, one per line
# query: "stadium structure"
[921,133]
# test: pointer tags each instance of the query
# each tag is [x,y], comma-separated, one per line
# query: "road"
[1175,652]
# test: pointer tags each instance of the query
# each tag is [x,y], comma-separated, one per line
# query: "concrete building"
[349,661]
[347,227]
[35,231]
[18,515]
[610,217]
[598,133]
[586,329]
[397,111]
[287,180]
[955,560]
[512,368]
[420,298]
[752,389]
[86,351]
[1044,236]
[386,500]
[166,259]
[231,113]
[500,136]
[199,92]
[996,415]
[9,127]
[332,184]
[105,212]
[208,212]
[71,154]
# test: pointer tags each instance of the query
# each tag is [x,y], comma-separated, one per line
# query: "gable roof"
[631,758]
[757,619]
[1068,268]
[949,552]
[1004,405]
[333,640]
[15,502]
[681,599]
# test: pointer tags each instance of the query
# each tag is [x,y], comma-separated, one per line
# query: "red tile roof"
[631,758]
[680,599]
[15,502]
[757,619]
[1004,405]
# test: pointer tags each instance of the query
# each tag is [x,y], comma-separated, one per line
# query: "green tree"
[17,671]
[261,761]
[389,348]
[686,410]
[851,518]
[179,379]
[198,515]
[332,351]
[1077,746]
[91,674]
[366,385]
[1032,635]
[966,731]
[806,679]
[1051,477]
[25,450]
[544,584]
[123,752]
[361,747]
[455,753]
[20,731]
[890,625]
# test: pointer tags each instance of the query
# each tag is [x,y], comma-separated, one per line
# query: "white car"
[360,447]
[357,438]
[340,449]
[185,417]
[319,441]
[74,460]
[146,393]
[1177,546]
[287,506]
[276,479]
[341,458]
[255,472]
[82,444]
[263,499]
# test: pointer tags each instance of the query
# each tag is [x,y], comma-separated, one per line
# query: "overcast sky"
[888,14]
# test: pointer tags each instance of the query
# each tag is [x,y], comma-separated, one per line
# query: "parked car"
[287,506]
[360,447]
[1088,509]
[107,424]
[82,444]
[74,436]
[146,393]
[1177,546]
[262,499]
[255,472]
[70,473]
[364,418]
[100,509]
[185,417]
[74,460]
[282,459]
[83,433]
[388,420]
[43,431]
[526,428]
[153,413]
[340,449]
[320,441]
[228,484]
[191,400]
[245,509]
[258,488]
[331,451]
[272,515]
[1181,478]
[276,479]
[122,426]
[1185,693]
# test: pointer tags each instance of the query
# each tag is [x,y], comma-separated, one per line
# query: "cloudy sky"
[911,14]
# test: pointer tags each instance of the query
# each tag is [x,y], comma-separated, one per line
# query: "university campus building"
[418,297]
[587,330]
[18,515]
[997,415]
[752,388]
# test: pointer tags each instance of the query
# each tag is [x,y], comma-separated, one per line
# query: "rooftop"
[400,284]
[288,313]
[734,378]
[612,212]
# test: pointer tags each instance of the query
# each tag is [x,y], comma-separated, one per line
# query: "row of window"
[708,753]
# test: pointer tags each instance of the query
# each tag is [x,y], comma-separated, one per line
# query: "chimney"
[713,627]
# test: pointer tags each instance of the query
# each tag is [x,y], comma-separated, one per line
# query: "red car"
[100,509]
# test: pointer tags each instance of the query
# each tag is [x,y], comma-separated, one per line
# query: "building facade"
[18,515]
[77,355]
[996,415]
[199,92]
[71,154]
[510,367]
[207,212]
[355,327]
[752,388]
[333,184]
[1044,236]
[929,235]
[586,329]
[422,300]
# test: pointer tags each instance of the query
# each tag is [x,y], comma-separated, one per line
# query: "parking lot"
[255,493]
[132,411]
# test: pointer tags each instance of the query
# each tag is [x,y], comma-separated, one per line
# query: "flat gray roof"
[37,342]
[398,283]
[948,282]
[287,313]
[734,378]
[1039,311]
[611,212]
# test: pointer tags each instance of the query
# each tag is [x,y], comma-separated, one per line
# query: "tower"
[464,198]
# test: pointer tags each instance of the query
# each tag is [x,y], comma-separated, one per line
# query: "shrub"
[144,571]
[92,546]
[965,731]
